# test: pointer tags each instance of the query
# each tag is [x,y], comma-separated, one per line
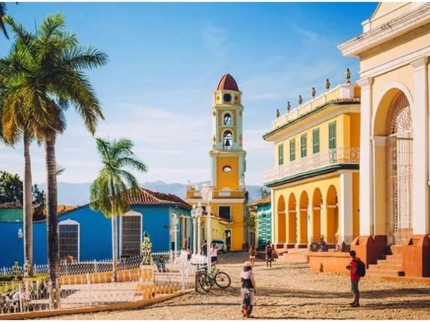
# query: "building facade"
[262,210]
[86,235]
[228,166]
[315,179]
[394,161]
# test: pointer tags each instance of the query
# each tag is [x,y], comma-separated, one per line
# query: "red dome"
[227,82]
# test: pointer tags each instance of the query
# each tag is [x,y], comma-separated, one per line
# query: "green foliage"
[110,187]
[264,193]
[11,191]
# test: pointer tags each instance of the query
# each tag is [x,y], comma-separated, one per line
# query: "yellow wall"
[227,179]
[236,213]
[347,135]
[356,204]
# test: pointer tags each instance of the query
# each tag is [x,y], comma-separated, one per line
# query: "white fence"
[90,283]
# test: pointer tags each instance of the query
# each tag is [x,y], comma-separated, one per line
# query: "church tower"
[228,161]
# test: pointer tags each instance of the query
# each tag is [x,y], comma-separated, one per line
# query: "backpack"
[361,268]
[269,250]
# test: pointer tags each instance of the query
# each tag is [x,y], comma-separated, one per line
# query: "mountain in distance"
[78,193]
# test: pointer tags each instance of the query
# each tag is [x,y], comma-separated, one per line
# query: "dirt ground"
[287,291]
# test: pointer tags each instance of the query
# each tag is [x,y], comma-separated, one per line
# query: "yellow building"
[228,166]
[315,179]
[394,51]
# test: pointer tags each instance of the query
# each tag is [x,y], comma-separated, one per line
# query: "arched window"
[227,120]
[69,238]
[227,140]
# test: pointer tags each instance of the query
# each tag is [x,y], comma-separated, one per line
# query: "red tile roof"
[11,205]
[227,82]
[262,201]
[148,197]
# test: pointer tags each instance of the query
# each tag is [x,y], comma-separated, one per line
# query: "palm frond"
[2,15]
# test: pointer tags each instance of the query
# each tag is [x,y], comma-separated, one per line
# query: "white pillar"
[366,159]
[346,211]
[310,222]
[420,121]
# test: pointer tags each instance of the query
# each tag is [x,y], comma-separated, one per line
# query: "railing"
[313,162]
[91,285]
[341,91]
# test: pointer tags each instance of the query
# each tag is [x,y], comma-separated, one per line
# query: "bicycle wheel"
[204,282]
[222,280]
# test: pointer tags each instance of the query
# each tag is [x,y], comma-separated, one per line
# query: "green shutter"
[332,135]
[292,149]
[316,141]
[281,154]
[303,145]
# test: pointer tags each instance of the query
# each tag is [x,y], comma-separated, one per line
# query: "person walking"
[268,254]
[248,289]
[252,254]
[355,278]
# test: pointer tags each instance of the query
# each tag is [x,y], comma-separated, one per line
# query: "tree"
[39,204]
[10,188]
[49,77]
[110,190]
[264,193]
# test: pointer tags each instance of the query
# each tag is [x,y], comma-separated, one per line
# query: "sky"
[165,61]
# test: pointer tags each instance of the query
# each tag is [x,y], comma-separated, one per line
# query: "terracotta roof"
[11,205]
[261,201]
[227,82]
[148,197]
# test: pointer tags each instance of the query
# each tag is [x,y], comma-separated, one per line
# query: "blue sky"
[165,62]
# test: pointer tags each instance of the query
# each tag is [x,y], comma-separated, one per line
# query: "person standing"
[204,248]
[269,254]
[214,254]
[355,278]
[248,289]
[252,254]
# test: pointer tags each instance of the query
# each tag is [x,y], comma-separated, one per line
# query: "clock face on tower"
[227,98]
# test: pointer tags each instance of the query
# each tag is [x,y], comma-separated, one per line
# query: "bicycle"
[207,278]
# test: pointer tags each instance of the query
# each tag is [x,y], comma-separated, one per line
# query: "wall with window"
[94,234]
[338,132]
[264,225]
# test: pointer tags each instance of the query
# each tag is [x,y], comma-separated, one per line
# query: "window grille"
[68,233]
[131,234]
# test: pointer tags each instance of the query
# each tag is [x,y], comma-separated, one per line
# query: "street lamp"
[175,230]
[206,194]
[196,212]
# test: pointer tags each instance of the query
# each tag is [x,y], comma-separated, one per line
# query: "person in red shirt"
[355,278]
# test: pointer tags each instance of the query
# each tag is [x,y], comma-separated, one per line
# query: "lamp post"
[175,230]
[206,194]
[196,212]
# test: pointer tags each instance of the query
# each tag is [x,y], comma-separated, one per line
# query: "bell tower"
[228,160]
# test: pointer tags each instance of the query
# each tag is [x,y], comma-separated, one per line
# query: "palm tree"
[49,81]
[2,15]
[109,192]
[17,125]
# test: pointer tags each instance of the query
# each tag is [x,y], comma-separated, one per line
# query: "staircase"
[391,265]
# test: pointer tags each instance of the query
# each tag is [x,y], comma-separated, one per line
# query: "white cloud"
[214,38]
[308,34]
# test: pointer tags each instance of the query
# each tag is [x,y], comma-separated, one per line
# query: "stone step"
[386,265]
[384,272]
[393,259]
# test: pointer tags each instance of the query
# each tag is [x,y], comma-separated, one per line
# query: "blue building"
[87,235]
[262,209]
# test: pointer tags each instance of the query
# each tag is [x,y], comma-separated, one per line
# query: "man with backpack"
[357,270]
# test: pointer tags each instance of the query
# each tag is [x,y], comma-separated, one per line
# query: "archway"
[292,220]
[331,228]
[394,122]
[281,220]
[316,216]
[302,227]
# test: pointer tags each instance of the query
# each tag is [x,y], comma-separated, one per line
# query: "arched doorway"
[292,220]
[399,156]
[332,215]
[316,216]
[302,227]
[281,220]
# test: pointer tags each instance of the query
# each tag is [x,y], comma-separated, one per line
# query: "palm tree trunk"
[115,239]
[52,226]
[28,204]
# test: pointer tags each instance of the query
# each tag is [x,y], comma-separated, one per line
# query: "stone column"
[366,158]
[420,115]
[345,217]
